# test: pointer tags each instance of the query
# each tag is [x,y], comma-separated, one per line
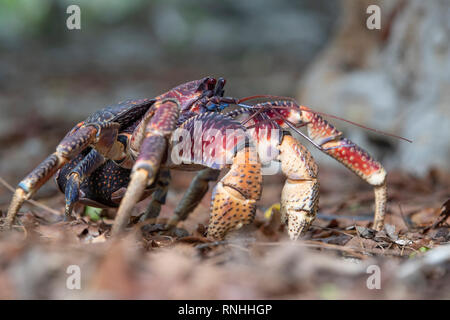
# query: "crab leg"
[300,195]
[67,149]
[197,189]
[152,148]
[76,176]
[350,155]
[234,197]
[158,196]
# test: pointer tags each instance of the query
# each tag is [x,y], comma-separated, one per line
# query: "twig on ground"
[322,245]
[334,230]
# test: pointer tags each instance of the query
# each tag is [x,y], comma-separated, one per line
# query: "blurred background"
[52,77]
[395,79]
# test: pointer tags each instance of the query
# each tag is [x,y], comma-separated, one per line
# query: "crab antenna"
[323,114]
[266,96]
[253,116]
[358,125]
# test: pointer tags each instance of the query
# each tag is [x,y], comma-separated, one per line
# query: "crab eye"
[206,84]
[211,83]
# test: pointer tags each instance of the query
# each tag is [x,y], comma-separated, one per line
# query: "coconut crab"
[124,152]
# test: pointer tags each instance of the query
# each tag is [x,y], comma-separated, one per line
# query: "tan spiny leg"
[234,197]
[300,195]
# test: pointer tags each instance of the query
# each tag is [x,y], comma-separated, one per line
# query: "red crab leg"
[350,155]
[67,149]
[151,150]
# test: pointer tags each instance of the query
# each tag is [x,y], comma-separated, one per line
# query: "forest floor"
[339,258]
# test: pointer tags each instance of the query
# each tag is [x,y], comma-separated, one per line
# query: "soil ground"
[333,260]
